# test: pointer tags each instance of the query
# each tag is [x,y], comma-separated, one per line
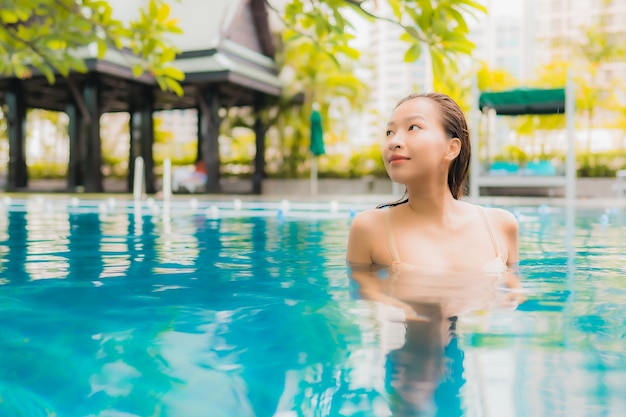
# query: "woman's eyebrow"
[408,119]
[415,116]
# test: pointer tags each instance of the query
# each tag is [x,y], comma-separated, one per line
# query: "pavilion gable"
[227,55]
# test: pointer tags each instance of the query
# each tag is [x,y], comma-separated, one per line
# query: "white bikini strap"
[489,229]
[392,244]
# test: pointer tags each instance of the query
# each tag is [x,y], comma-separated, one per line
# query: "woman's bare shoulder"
[502,219]
[367,219]
[364,233]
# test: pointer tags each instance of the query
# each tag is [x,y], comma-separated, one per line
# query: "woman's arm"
[365,232]
[506,229]
[361,268]
[509,230]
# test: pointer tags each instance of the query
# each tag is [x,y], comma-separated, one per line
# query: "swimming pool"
[239,309]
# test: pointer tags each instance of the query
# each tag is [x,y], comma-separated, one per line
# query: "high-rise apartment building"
[563,22]
[505,38]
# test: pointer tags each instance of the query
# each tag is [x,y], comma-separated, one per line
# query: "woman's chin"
[400,179]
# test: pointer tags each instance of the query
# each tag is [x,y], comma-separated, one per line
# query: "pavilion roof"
[226,43]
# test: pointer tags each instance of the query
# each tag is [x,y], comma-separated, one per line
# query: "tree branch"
[75,11]
[359,3]
[11,32]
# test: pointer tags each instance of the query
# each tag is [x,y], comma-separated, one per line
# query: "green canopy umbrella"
[316,146]
[317,134]
[522,101]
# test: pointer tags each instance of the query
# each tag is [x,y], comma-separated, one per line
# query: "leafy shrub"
[601,164]
[47,170]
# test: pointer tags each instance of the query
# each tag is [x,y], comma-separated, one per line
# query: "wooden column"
[142,137]
[259,157]
[208,137]
[16,121]
[75,167]
[134,147]
[90,142]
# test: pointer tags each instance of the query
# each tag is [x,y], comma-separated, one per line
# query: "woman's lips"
[396,159]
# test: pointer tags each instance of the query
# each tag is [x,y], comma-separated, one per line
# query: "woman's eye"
[413,127]
[388,133]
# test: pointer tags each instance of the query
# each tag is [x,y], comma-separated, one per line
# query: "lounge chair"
[544,168]
[190,179]
[503,168]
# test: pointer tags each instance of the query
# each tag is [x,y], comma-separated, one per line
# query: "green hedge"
[601,164]
[588,164]
[360,164]
[47,170]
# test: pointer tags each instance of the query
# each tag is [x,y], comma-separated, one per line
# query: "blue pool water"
[215,310]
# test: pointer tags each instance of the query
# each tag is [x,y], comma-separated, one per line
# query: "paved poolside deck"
[591,193]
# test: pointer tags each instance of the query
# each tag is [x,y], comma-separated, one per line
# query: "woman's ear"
[454,148]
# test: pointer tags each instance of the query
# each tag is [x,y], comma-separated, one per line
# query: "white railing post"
[167,179]
[138,183]
[570,159]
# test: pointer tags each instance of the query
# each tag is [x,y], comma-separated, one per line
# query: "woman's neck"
[435,205]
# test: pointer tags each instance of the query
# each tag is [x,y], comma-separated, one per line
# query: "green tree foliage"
[458,84]
[587,60]
[440,26]
[324,78]
[619,123]
[51,36]
[317,60]
[495,79]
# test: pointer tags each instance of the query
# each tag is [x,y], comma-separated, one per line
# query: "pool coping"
[360,199]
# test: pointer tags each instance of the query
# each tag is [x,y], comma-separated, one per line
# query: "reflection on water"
[119,314]
[419,309]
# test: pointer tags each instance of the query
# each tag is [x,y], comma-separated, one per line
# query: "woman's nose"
[395,142]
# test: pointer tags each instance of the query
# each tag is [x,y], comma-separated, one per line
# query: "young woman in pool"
[430,254]
[427,148]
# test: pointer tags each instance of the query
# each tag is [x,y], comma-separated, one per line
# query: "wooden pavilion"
[228,60]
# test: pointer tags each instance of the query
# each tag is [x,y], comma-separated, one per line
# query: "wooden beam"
[79,100]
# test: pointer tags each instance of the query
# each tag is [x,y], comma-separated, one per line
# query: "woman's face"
[416,143]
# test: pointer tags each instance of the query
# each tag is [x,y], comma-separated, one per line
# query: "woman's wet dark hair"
[455,125]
